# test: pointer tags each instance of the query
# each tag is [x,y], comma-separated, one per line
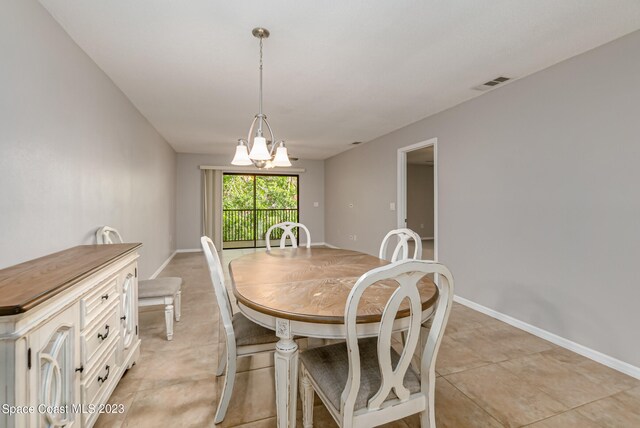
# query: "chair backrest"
[222,296]
[406,274]
[404,236]
[108,235]
[287,232]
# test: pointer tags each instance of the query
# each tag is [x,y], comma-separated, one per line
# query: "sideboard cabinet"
[68,332]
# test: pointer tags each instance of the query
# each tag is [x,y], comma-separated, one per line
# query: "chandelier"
[257,149]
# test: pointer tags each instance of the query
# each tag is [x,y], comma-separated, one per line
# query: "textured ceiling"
[335,71]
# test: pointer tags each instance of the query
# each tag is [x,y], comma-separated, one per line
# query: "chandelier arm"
[251,128]
[273,138]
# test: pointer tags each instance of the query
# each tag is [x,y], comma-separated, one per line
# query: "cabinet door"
[129,317]
[55,353]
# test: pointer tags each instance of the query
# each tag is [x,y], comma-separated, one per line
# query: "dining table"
[302,292]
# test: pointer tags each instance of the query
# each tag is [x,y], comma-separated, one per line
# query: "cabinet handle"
[80,369]
[106,376]
[105,297]
[106,333]
[124,317]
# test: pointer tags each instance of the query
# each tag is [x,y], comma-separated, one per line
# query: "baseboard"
[592,354]
[326,244]
[322,244]
[162,266]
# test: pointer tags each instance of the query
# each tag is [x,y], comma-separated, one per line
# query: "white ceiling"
[335,71]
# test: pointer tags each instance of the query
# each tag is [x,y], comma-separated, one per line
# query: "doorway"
[252,203]
[418,194]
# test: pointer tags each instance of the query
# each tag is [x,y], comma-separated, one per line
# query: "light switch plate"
[392,206]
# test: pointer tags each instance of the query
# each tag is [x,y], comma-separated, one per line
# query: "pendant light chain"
[260,75]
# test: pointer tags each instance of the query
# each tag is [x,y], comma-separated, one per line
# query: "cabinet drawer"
[99,335]
[100,379]
[95,303]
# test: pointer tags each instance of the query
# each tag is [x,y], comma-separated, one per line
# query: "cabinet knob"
[124,317]
[105,297]
[80,369]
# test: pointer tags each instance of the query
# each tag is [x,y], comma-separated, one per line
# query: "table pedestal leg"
[286,367]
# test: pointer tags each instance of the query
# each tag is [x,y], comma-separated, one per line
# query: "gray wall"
[75,154]
[189,212]
[420,199]
[539,206]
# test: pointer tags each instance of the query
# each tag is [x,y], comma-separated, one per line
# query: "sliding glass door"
[254,202]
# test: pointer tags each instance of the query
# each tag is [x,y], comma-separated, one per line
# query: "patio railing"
[250,225]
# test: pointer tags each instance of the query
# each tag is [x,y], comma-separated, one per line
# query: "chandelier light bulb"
[282,158]
[242,155]
[259,150]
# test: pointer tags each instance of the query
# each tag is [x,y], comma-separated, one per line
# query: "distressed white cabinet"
[68,332]
[54,357]
[128,311]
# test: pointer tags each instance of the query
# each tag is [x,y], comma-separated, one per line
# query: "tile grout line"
[568,408]
[530,386]
[251,422]
[179,382]
[473,401]
[584,405]
[572,409]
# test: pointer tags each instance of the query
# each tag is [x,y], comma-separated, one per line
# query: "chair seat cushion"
[159,287]
[329,368]
[249,333]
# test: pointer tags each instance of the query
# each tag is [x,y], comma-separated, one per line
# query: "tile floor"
[491,374]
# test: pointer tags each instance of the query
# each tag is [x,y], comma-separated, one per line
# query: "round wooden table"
[303,292]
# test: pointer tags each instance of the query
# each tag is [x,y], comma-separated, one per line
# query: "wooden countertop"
[312,284]
[28,284]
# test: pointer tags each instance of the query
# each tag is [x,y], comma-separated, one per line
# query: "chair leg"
[426,420]
[168,318]
[227,389]
[306,396]
[177,303]
[222,363]
[428,416]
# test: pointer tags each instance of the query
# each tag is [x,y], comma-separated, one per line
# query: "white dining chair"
[166,291]
[243,337]
[401,251]
[366,383]
[287,232]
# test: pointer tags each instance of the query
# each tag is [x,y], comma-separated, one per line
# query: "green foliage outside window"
[276,200]
[275,192]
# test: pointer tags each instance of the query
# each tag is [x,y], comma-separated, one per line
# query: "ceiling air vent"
[491,83]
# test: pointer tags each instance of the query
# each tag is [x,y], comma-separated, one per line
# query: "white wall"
[420,199]
[75,154]
[539,201]
[189,212]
